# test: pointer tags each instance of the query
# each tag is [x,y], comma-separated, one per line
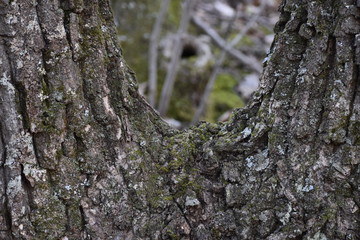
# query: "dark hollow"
[188,51]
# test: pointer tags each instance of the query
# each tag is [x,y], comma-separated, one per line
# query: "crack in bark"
[6,170]
[184,216]
[2,147]
[331,62]
[5,201]
[36,151]
[22,105]
[67,27]
[67,215]
[83,218]
[355,88]
[27,188]
[166,223]
[7,212]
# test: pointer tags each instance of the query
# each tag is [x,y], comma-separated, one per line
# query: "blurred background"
[196,59]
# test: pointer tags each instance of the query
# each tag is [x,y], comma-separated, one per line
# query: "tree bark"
[83,156]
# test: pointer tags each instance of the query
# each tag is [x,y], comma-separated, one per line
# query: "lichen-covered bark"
[69,112]
[82,155]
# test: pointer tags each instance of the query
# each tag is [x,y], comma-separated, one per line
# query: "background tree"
[188,59]
[83,156]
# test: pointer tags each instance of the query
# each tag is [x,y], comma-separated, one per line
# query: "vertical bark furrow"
[327,75]
[67,22]
[5,215]
[352,119]
[5,89]
[17,142]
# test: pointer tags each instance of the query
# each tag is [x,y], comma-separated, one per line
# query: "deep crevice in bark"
[3,147]
[68,216]
[355,89]
[22,97]
[284,18]
[27,188]
[42,30]
[83,218]
[5,169]
[188,222]
[36,151]
[330,61]
[7,211]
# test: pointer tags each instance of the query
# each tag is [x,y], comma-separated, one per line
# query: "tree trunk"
[83,156]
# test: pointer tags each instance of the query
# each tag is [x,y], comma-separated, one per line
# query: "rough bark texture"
[84,157]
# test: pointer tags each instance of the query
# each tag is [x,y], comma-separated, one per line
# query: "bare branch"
[174,64]
[250,62]
[153,52]
[209,86]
